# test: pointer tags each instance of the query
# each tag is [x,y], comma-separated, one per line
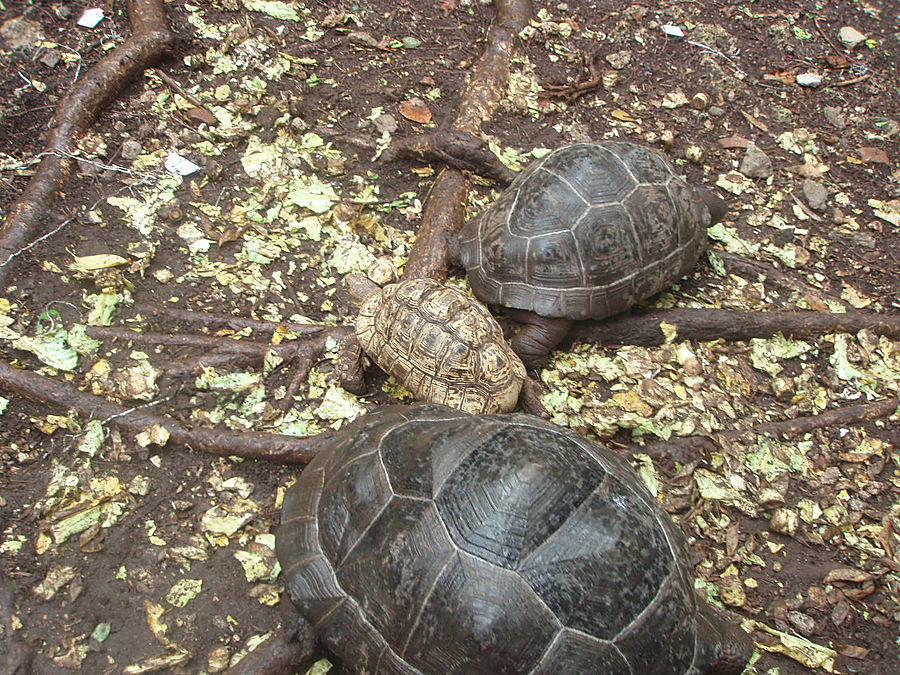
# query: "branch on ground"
[688,447]
[445,210]
[250,444]
[710,324]
[151,39]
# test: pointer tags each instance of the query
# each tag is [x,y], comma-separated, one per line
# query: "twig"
[172,84]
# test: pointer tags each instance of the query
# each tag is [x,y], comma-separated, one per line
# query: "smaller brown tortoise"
[584,233]
[441,344]
[425,540]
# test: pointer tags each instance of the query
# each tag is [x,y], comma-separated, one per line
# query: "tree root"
[211,322]
[688,447]
[818,299]
[591,81]
[256,445]
[710,324]
[431,255]
[150,40]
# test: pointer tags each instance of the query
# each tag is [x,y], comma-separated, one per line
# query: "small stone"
[716,111]
[809,80]
[834,117]
[619,60]
[816,195]
[667,138]
[699,101]
[850,36]
[785,521]
[731,591]
[131,149]
[382,272]
[694,153]
[21,33]
[804,623]
[769,497]
[385,123]
[361,38]
[756,163]
[51,58]
[609,79]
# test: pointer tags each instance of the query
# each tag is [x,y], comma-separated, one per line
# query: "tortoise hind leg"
[537,337]
[281,653]
[350,366]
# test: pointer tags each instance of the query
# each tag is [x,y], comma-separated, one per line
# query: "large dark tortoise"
[428,540]
[584,233]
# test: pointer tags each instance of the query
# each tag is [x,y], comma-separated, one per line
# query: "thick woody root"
[652,328]
[151,39]
[689,447]
[444,215]
[271,447]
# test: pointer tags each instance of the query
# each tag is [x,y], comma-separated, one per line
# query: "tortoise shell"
[586,232]
[442,345]
[428,540]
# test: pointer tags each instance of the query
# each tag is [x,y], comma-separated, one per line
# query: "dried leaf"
[853,651]
[416,110]
[730,142]
[622,116]
[847,574]
[870,155]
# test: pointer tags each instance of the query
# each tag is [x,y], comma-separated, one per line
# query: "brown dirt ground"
[758,37]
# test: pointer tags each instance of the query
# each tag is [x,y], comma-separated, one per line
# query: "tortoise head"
[723,648]
[713,202]
[360,288]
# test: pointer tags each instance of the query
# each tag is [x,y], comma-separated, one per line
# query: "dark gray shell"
[428,540]
[586,232]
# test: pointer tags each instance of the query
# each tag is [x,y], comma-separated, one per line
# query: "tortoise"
[440,343]
[584,233]
[424,539]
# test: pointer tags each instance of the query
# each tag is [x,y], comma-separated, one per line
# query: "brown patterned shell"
[442,345]
[586,232]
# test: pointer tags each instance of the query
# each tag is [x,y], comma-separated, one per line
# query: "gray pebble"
[816,195]
[385,123]
[835,117]
[131,149]
[756,163]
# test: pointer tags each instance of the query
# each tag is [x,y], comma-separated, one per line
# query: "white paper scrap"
[91,17]
[178,164]
[673,31]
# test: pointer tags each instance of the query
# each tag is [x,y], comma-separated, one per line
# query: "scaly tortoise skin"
[442,345]
[586,232]
[428,540]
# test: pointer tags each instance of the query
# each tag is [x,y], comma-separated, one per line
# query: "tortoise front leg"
[537,337]
[350,365]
